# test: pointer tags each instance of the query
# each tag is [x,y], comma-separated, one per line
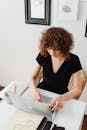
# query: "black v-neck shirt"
[58,82]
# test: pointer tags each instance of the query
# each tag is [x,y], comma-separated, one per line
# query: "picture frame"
[68,10]
[37,11]
[86,29]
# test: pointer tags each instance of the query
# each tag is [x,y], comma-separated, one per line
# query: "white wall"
[19,41]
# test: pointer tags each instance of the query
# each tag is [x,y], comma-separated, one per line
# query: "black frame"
[44,21]
[86,29]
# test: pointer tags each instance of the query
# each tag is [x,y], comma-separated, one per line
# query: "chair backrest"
[83,79]
[83,96]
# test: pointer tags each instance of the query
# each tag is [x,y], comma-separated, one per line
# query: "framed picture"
[37,11]
[67,9]
[86,29]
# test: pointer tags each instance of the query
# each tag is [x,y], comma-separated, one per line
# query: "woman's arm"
[78,82]
[34,77]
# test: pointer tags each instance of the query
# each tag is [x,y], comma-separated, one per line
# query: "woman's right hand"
[36,95]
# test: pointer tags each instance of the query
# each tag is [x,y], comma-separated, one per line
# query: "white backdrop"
[19,41]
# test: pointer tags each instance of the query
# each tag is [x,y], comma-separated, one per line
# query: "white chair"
[83,80]
[83,96]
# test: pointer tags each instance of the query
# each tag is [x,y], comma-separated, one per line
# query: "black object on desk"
[58,128]
[46,125]
[1,98]
[42,123]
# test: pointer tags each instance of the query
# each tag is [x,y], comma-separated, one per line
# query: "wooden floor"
[1,87]
[84,126]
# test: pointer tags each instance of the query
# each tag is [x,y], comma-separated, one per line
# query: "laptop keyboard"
[46,125]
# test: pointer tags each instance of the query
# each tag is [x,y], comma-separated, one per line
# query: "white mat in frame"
[67,9]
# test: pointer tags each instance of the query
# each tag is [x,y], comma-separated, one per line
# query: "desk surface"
[71,116]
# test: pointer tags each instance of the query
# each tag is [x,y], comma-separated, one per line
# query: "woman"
[58,64]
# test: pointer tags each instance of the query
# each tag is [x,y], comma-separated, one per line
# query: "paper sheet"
[23,121]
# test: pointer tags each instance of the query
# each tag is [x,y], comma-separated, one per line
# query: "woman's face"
[53,52]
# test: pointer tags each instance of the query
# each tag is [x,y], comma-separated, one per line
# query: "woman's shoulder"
[75,63]
[73,56]
[41,59]
[74,59]
[42,56]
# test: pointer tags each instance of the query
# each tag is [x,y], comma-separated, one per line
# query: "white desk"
[71,116]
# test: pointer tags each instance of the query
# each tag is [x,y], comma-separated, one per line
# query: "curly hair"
[56,38]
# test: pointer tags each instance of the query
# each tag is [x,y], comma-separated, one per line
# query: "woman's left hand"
[56,103]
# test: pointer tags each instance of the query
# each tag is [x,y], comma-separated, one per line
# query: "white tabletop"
[71,116]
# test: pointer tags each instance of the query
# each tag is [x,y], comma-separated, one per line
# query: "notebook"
[21,120]
[27,121]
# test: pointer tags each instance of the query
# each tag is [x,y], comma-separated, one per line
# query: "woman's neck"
[60,57]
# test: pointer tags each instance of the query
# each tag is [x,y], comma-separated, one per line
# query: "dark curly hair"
[56,38]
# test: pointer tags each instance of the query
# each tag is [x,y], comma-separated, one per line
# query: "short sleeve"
[76,65]
[40,59]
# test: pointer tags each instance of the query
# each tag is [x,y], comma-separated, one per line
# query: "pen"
[53,119]
[14,89]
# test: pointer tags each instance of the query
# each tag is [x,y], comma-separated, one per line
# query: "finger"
[34,99]
[40,98]
[56,106]
[37,98]
[61,106]
[53,102]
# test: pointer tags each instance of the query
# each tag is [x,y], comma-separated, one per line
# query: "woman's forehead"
[53,47]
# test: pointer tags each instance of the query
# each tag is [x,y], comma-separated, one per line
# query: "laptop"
[29,105]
